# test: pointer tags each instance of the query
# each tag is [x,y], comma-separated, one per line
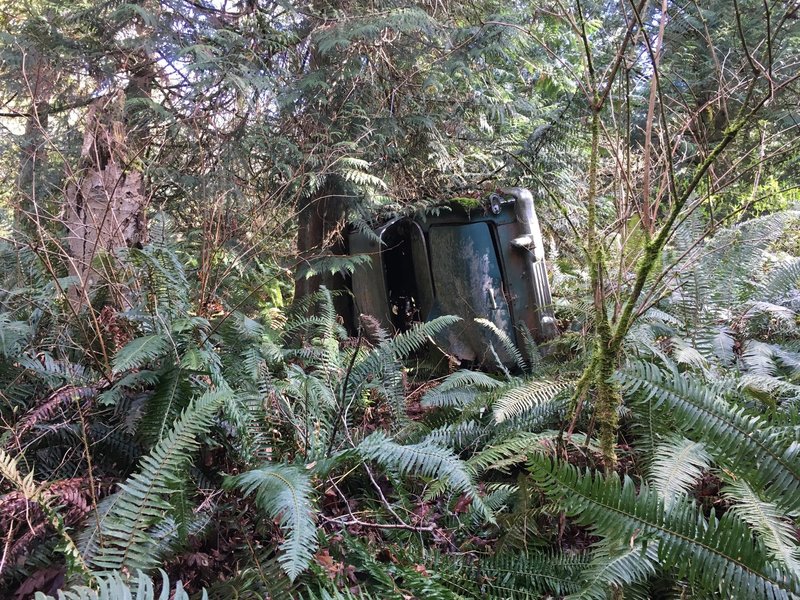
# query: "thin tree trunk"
[648,213]
[38,77]
[321,222]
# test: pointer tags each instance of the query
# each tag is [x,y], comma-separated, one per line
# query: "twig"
[359,522]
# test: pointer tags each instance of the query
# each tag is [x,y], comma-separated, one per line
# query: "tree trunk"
[320,232]
[105,201]
[37,72]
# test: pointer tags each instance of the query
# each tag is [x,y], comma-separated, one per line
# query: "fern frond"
[9,470]
[131,381]
[757,358]
[739,440]
[333,265]
[381,365]
[427,460]
[788,359]
[723,345]
[456,435]
[614,566]
[284,493]
[457,398]
[246,327]
[782,279]
[345,594]
[25,484]
[522,575]
[54,372]
[121,537]
[460,389]
[12,335]
[502,454]
[140,351]
[171,395]
[527,396]
[410,341]
[785,316]
[716,554]
[677,464]
[775,529]
[467,378]
[508,345]
[687,354]
[115,587]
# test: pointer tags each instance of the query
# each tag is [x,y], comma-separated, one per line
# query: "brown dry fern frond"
[54,405]
[26,522]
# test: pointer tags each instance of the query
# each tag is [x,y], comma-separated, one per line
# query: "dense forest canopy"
[188,408]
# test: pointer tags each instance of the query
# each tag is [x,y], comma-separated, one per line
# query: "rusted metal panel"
[527,285]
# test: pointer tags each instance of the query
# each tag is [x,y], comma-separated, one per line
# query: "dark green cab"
[480,261]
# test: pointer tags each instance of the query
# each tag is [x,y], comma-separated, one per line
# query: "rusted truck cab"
[477,260]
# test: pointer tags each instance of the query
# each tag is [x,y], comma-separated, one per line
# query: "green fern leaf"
[460,388]
[783,279]
[415,338]
[382,367]
[526,575]
[502,454]
[427,460]
[678,463]
[12,335]
[716,554]
[508,345]
[171,395]
[139,352]
[467,378]
[737,439]
[523,398]
[775,529]
[456,435]
[120,535]
[114,587]
[614,566]
[284,493]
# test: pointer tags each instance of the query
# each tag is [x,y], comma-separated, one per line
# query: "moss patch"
[466,203]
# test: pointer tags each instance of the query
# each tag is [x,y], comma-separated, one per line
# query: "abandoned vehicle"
[481,260]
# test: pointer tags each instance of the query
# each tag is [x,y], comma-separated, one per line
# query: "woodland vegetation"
[183,412]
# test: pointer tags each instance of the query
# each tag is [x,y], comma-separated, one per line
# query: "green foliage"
[283,492]
[529,398]
[115,587]
[774,528]
[509,576]
[676,466]
[237,117]
[619,567]
[333,265]
[427,460]
[460,388]
[689,544]
[140,352]
[736,438]
[505,342]
[13,334]
[121,536]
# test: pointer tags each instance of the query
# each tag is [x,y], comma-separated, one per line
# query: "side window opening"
[400,275]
